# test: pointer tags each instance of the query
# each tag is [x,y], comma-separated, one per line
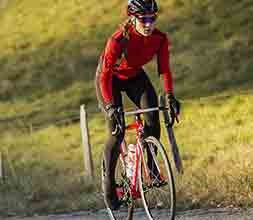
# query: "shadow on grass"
[211,49]
[32,73]
[207,59]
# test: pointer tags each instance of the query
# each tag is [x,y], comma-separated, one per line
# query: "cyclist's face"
[145,24]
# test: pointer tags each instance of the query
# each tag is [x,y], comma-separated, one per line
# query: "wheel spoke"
[158,191]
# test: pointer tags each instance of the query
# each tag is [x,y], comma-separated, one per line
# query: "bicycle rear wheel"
[156,182]
[123,191]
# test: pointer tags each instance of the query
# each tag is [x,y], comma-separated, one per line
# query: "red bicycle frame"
[139,157]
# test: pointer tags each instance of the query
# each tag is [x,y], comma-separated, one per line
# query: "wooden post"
[1,167]
[88,163]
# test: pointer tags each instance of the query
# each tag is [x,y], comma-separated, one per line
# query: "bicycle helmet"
[141,7]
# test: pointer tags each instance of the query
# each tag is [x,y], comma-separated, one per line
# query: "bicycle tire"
[157,205]
[124,212]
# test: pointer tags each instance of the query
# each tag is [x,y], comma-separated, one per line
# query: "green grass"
[48,57]
[217,153]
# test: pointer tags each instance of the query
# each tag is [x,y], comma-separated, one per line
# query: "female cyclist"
[120,70]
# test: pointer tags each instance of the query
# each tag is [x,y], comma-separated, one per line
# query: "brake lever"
[119,122]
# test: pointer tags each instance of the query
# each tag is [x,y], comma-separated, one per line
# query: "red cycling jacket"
[140,50]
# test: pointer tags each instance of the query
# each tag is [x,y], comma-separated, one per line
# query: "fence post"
[88,163]
[1,167]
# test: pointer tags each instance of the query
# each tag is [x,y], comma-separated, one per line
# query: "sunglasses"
[147,19]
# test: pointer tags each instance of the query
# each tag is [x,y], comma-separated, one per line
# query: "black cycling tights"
[143,95]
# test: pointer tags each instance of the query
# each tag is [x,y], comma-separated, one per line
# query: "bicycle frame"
[139,157]
[130,188]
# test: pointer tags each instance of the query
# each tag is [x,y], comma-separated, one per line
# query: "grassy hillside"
[48,56]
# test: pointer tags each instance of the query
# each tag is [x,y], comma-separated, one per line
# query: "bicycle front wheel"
[156,181]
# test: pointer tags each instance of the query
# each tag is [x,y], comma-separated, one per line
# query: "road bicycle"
[150,180]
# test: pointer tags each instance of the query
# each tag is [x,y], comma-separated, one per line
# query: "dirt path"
[209,214]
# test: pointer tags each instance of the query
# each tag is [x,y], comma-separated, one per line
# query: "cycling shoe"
[114,204]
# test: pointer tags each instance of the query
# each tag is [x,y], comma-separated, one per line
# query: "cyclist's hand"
[113,113]
[174,104]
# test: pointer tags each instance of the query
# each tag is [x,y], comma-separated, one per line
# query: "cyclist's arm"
[109,58]
[163,65]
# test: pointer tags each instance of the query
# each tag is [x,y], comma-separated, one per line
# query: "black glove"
[113,113]
[174,104]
